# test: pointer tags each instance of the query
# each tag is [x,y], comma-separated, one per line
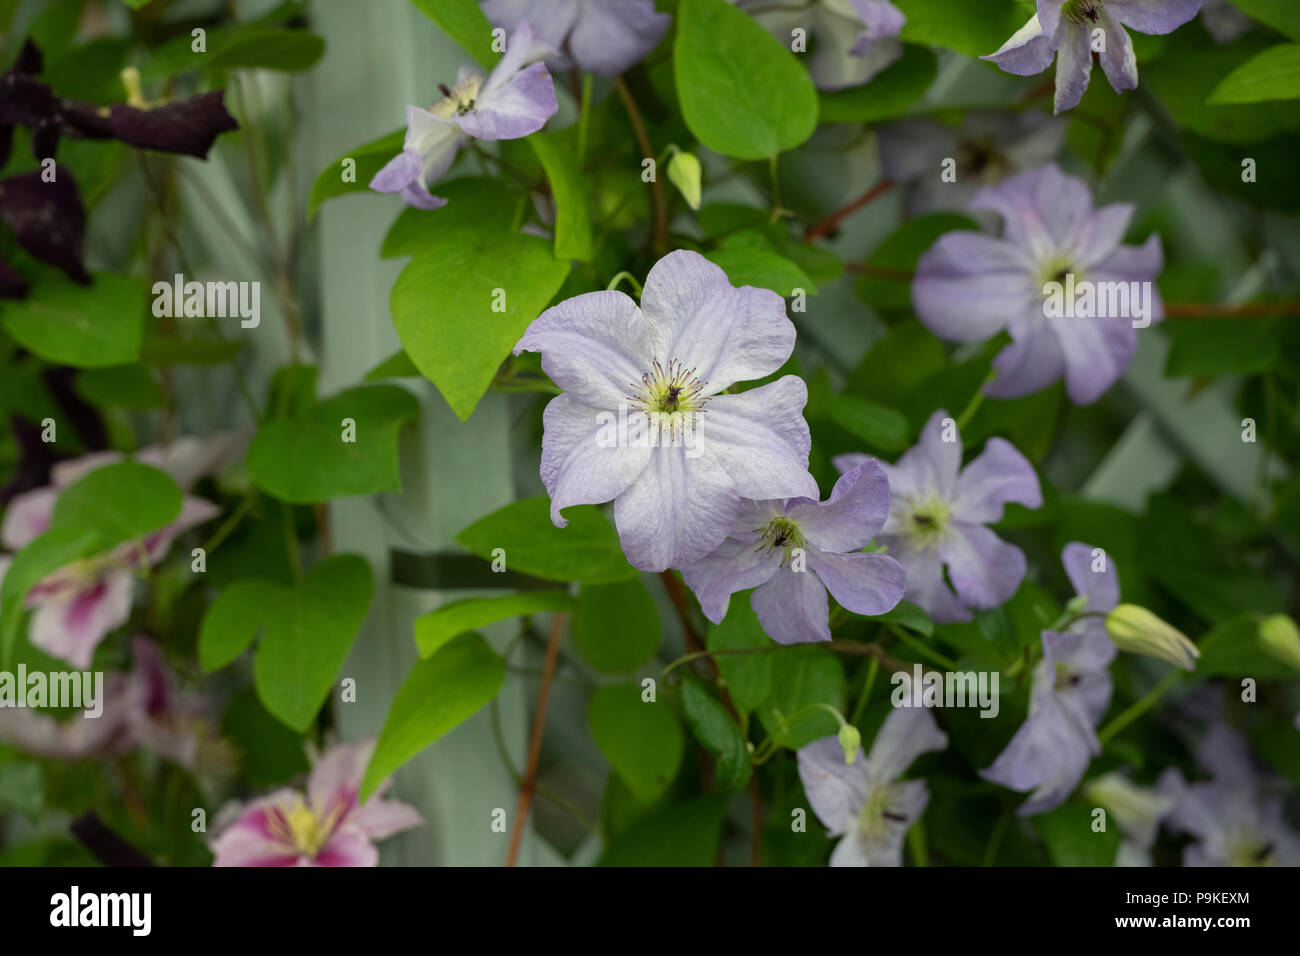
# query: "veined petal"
[595,346]
[578,466]
[985,570]
[761,440]
[792,607]
[835,790]
[1096,352]
[931,465]
[348,846]
[1029,364]
[734,566]
[676,511]
[926,587]
[1028,51]
[1153,16]
[906,733]
[335,780]
[1118,60]
[1073,67]
[699,319]
[967,284]
[863,583]
[853,514]
[1100,234]
[515,109]
[999,475]
[70,623]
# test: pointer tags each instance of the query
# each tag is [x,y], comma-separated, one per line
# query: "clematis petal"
[611,36]
[985,570]
[70,623]
[676,511]
[515,109]
[595,346]
[792,607]
[1096,352]
[906,733]
[348,846]
[1153,16]
[863,583]
[1028,51]
[1118,61]
[335,779]
[835,790]
[926,587]
[761,440]
[47,218]
[734,566]
[1073,67]
[853,514]
[932,464]
[699,319]
[1100,234]
[1047,755]
[27,517]
[579,467]
[999,475]
[248,840]
[1029,364]
[379,819]
[1100,587]
[966,284]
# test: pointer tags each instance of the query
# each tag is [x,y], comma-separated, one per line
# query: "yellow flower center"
[458,100]
[926,522]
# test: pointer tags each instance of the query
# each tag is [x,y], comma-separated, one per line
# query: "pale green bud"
[1281,638]
[1137,630]
[685,173]
[851,741]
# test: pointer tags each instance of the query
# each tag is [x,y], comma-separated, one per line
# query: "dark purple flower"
[1056,255]
[47,218]
[599,36]
[188,127]
[938,518]
[793,551]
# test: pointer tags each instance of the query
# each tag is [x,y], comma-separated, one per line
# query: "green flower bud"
[1281,638]
[1137,630]
[851,741]
[685,173]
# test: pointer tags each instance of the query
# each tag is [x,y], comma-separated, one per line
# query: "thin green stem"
[1139,707]
[873,668]
[584,116]
[995,840]
[631,280]
[974,404]
[925,651]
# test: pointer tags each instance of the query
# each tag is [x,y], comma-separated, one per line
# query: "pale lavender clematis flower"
[793,551]
[77,606]
[987,147]
[865,802]
[329,827]
[1070,30]
[677,491]
[598,36]
[1237,816]
[852,40]
[1137,810]
[1223,21]
[938,517]
[970,286]
[1051,751]
[515,100]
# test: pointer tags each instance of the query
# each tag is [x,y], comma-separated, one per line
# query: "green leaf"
[464,22]
[1281,15]
[718,734]
[587,551]
[616,626]
[973,27]
[1221,346]
[486,205]
[887,283]
[289,51]
[1271,75]
[22,788]
[641,740]
[441,692]
[804,676]
[120,502]
[908,615]
[685,834]
[234,619]
[397,365]
[308,631]
[746,677]
[369,158]
[197,350]
[1233,649]
[906,356]
[90,326]
[1070,839]
[308,458]
[487,290]
[558,154]
[742,93]
[748,259]
[131,387]
[883,429]
[436,628]
[886,96]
